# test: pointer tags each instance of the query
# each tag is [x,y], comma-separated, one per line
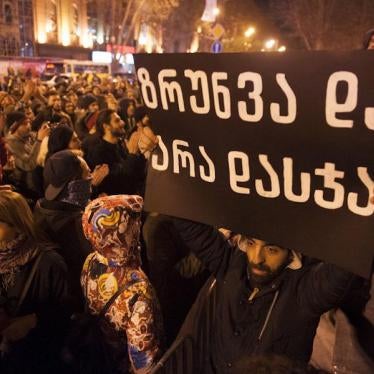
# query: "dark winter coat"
[47,297]
[281,319]
[62,222]
[89,142]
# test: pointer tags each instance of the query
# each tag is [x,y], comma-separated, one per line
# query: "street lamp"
[249,32]
[270,44]
[282,48]
[216,11]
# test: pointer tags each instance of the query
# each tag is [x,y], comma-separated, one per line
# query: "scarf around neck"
[15,254]
[78,193]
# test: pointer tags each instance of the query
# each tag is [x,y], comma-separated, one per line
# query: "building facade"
[73,28]
[10,33]
[61,28]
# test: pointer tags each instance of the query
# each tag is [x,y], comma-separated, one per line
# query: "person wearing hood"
[368,42]
[112,225]
[59,214]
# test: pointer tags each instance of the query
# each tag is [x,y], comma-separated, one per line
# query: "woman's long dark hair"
[15,211]
[59,139]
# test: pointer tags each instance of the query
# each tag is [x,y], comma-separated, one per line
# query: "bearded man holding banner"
[290,163]
[269,298]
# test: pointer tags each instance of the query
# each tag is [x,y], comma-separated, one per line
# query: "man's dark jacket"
[281,319]
[126,171]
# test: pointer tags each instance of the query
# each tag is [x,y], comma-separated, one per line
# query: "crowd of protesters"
[73,236]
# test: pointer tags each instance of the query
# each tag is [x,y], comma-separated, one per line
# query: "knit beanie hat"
[87,100]
[13,120]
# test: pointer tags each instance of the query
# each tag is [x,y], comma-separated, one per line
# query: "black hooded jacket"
[280,319]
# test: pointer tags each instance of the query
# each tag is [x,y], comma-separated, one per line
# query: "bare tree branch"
[134,20]
[325,24]
[124,21]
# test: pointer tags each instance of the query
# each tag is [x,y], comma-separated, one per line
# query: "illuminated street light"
[199,30]
[269,44]
[216,11]
[100,38]
[143,39]
[129,58]
[282,48]
[249,32]
[42,37]
[49,26]
[87,40]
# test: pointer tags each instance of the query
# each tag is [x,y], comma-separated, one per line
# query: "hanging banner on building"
[277,146]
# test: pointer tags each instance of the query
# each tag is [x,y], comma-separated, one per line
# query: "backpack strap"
[28,282]
[114,297]
[111,301]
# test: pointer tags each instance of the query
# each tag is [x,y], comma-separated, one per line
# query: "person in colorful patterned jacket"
[112,225]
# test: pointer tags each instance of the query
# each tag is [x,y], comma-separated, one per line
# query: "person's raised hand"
[99,173]
[133,143]
[43,131]
[147,140]
[29,88]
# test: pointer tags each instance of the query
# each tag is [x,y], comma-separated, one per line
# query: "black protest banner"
[276,146]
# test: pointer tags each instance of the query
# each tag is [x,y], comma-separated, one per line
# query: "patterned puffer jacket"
[112,225]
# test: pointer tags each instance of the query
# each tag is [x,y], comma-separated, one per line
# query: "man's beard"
[118,133]
[267,277]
